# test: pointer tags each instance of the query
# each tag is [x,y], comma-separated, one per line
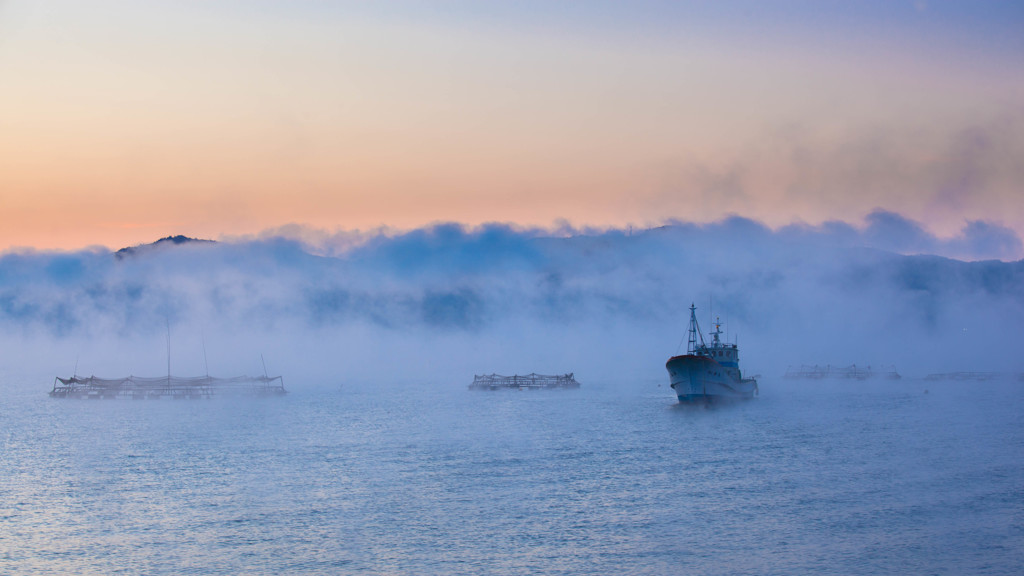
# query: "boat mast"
[695,334]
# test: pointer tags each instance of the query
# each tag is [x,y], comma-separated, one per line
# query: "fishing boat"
[708,372]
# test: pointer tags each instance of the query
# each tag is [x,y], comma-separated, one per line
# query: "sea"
[811,477]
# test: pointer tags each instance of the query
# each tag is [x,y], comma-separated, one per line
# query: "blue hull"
[702,379]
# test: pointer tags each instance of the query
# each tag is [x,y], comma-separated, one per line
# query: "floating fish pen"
[852,372]
[174,387]
[963,376]
[528,382]
[807,372]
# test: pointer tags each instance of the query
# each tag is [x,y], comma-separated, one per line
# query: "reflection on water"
[613,478]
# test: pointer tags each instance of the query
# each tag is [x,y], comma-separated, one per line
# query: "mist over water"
[452,301]
[380,461]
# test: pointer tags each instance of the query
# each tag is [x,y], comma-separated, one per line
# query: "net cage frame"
[139,387]
[528,381]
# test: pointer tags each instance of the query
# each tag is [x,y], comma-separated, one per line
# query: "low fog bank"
[435,305]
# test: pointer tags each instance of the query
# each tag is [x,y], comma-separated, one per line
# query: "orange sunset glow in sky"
[121,122]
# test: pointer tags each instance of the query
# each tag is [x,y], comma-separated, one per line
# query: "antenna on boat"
[264,366]
[75,375]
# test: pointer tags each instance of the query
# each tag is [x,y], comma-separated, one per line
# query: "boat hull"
[701,379]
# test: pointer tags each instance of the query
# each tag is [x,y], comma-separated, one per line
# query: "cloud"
[450,300]
[885,230]
[981,239]
[946,173]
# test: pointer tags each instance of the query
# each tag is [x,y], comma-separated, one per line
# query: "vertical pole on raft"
[168,352]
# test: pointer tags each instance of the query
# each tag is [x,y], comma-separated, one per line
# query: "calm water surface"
[613,478]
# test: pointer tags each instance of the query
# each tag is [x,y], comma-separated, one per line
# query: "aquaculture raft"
[176,387]
[852,372]
[528,382]
[974,376]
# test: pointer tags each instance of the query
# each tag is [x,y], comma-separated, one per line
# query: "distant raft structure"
[851,372]
[964,376]
[528,382]
[175,387]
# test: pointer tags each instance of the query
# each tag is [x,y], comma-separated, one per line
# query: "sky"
[123,122]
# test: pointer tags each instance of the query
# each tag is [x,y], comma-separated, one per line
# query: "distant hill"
[176,240]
